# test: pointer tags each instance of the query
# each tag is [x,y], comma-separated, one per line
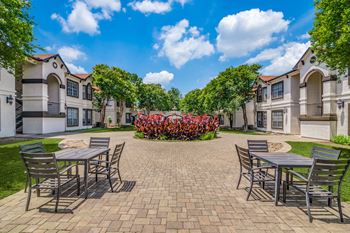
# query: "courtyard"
[171,187]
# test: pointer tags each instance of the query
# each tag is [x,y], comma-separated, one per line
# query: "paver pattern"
[170,187]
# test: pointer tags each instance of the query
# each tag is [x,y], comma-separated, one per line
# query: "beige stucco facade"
[7,104]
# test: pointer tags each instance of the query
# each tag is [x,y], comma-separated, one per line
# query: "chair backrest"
[258,146]
[328,172]
[118,150]
[40,165]
[244,157]
[325,153]
[99,142]
[32,148]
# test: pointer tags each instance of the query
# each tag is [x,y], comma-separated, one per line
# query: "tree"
[330,36]
[241,82]
[16,33]
[153,97]
[174,95]
[113,83]
[192,102]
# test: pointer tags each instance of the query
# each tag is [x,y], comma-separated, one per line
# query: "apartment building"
[7,104]
[53,99]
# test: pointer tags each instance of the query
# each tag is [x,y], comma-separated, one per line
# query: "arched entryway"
[314,93]
[53,92]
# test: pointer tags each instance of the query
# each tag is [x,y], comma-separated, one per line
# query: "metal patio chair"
[258,145]
[99,142]
[31,148]
[108,167]
[323,173]
[43,168]
[316,153]
[254,174]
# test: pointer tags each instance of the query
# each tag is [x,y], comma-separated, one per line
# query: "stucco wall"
[7,111]
[318,129]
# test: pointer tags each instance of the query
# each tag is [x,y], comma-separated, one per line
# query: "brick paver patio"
[170,187]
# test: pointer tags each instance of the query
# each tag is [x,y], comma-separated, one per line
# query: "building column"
[329,99]
[303,99]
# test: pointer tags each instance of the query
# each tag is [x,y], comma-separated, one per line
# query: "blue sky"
[177,43]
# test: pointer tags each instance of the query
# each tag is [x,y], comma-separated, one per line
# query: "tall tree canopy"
[192,102]
[174,96]
[114,83]
[153,97]
[330,36]
[16,33]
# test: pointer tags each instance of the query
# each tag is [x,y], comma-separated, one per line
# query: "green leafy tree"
[330,36]
[113,83]
[16,33]
[174,96]
[192,102]
[153,97]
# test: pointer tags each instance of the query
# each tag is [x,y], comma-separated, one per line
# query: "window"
[261,119]
[72,117]
[277,90]
[84,92]
[221,119]
[277,119]
[72,88]
[87,117]
[261,95]
[87,92]
[128,118]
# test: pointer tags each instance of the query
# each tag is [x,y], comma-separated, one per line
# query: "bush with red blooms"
[175,127]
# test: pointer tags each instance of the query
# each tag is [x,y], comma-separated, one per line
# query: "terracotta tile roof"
[43,56]
[82,76]
[266,78]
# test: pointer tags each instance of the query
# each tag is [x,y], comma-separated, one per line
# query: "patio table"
[81,155]
[282,160]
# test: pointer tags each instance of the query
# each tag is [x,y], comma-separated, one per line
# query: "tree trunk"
[231,120]
[244,109]
[103,114]
[120,116]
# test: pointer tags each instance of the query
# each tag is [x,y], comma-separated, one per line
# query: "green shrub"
[208,136]
[341,139]
[163,137]
[139,135]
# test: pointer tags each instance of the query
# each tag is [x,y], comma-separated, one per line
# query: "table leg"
[278,177]
[86,179]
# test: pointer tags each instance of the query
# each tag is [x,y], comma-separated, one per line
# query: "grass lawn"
[12,176]
[236,131]
[304,148]
[105,130]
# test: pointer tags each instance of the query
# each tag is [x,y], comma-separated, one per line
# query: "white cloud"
[86,15]
[282,58]
[246,31]
[148,6]
[75,69]
[182,43]
[70,54]
[155,6]
[305,36]
[163,77]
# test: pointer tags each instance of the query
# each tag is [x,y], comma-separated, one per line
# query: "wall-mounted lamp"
[340,103]
[9,99]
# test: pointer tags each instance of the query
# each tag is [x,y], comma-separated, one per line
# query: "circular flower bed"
[175,127]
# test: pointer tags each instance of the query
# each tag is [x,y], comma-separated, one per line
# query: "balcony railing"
[53,108]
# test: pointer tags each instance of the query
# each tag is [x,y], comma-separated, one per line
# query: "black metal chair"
[317,153]
[31,148]
[254,174]
[99,142]
[108,167]
[43,168]
[323,173]
[258,146]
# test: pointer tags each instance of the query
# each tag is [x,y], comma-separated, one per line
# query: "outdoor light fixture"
[9,99]
[340,103]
